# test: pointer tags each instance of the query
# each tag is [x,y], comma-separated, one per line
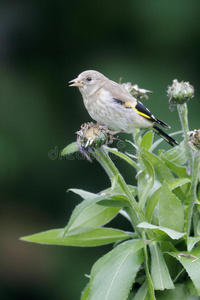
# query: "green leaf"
[126,215]
[161,170]
[191,241]
[71,148]
[82,193]
[177,155]
[191,288]
[169,208]
[142,293]
[147,185]
[116,196]
[117,190]
[175,168]
[179,293]
[175,235]
[115,201]
[147,140]
[89,215]
[113,275]
[148,275]
[114,181]
[113,197]
[99,156]
[136,212]
[191,265]
[159,271]
[85,292]
[122,155]
[96,237]
[153,200]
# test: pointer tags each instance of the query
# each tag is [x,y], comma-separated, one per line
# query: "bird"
[111,105]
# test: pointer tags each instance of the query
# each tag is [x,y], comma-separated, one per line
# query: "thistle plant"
[160,258]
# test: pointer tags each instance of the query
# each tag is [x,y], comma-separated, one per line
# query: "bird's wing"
[123,97]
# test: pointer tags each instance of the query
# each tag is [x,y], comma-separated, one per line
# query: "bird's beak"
[76,82]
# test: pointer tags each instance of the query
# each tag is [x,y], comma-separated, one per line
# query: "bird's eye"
[89,79]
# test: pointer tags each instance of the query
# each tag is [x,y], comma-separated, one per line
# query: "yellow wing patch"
[130,104]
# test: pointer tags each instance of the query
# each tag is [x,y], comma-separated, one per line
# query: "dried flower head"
[179,92]
[194,138]
[135,91]
[92,136]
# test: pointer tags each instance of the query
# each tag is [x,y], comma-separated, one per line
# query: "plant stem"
[178,275]
[137,215]
[140,177]
[146,265]
[183,115]
[193,162]
[194,181]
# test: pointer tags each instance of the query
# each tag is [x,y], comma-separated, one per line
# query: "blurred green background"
[43,45]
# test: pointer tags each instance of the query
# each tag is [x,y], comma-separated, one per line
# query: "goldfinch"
[111,105]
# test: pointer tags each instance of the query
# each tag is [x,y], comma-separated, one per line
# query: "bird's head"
[88,82]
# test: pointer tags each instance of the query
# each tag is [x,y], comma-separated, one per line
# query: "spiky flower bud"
[92,136]
[194,138]
[180,92]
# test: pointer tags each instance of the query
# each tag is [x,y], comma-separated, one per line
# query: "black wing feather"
[143,111]
[165,136]
[141,108]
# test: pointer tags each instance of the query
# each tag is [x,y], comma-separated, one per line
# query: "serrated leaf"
[153,200]
[159,271]
[175,168]
[191,265]
[177,155]
[96,237]
[179,293]
[113,275]
[171,213]
[161,170]
[89,215]
[71,148]
[175,235]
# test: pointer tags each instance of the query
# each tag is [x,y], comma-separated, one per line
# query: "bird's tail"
[165,136]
